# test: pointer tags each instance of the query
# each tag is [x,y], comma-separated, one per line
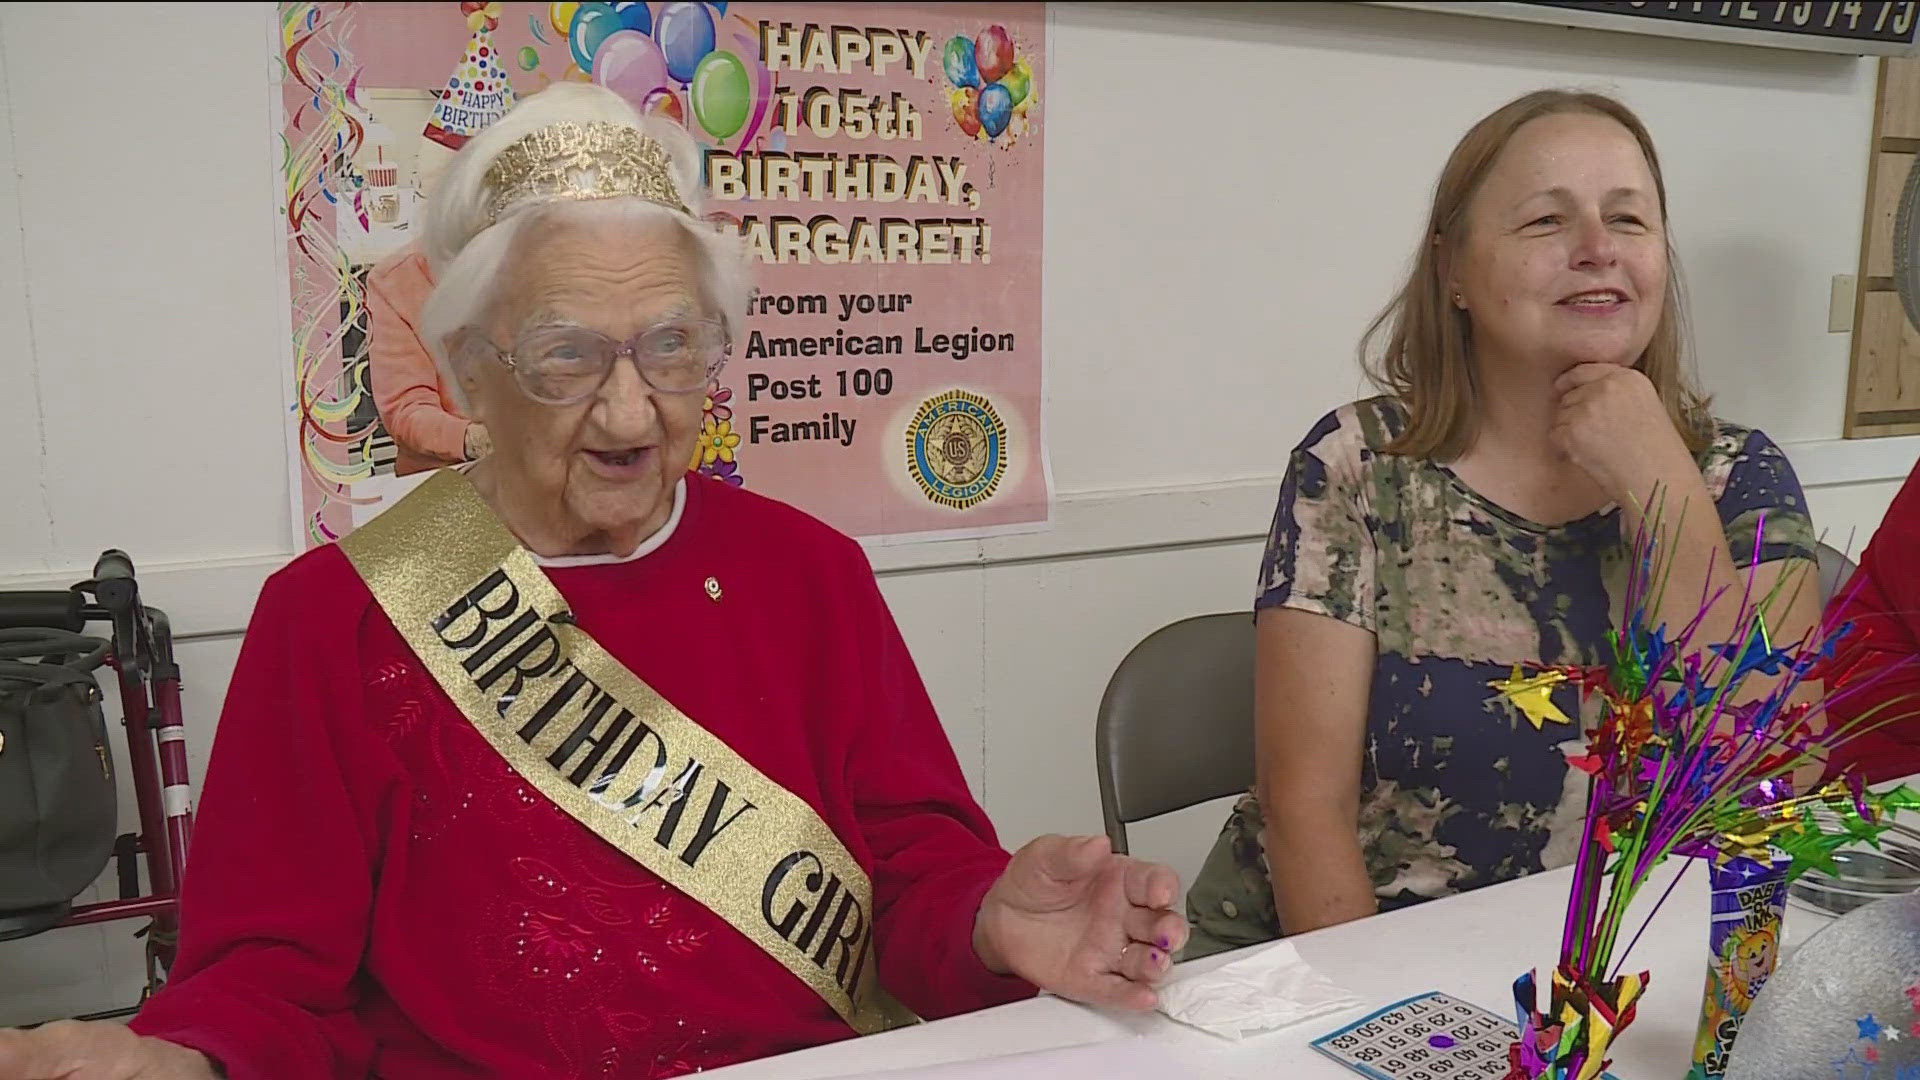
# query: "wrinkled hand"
[70,1050]
[1076,920]
[1611,423]
[477,443]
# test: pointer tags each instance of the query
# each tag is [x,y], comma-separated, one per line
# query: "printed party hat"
[477,94]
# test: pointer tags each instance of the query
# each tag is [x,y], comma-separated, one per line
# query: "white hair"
[468,252]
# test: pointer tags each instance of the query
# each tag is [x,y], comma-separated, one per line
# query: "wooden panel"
[1886,370]
[1888,181]
[1900,95]
[1883,380]
[1881,431]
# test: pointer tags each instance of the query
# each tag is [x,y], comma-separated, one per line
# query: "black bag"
[58,806]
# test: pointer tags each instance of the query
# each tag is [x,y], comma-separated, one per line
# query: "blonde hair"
[1420,348]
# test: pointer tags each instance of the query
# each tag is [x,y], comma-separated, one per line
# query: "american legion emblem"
[957,449]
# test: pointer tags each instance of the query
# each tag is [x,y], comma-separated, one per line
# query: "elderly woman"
[1472,518]
[570,765]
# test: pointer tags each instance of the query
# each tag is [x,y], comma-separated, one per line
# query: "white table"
[1472,946]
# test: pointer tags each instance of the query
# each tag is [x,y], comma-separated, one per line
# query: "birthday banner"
[882,161]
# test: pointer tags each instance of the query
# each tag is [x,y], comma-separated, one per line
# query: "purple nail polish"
[1163,941]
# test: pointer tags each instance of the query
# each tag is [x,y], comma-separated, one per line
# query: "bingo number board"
[1429,1037]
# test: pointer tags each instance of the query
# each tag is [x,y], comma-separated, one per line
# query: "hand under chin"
[1611,355]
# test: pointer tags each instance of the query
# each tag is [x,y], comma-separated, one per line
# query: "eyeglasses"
[565,365]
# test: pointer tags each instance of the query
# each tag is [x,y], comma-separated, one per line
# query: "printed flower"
[716,407]
[727,472]
[717,440]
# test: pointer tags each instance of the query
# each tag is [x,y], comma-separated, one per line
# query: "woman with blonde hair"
[1534,415]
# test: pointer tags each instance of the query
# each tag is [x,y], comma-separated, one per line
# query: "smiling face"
[598,475]
[1564,259]
[1751,960]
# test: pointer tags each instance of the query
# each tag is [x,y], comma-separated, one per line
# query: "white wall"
[1231,193]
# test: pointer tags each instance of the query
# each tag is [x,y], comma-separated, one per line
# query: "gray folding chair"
[1176,722]
[1835,569]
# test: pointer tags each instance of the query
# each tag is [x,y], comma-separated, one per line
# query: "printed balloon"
[635,17]
[749,48]
[966,110]
[686,37]
[630,64]
[996,108]
[993,52]
[591,25]
[721,92]
[664,102]
[560,16]
[529,59]
[958,60]
[1019,82]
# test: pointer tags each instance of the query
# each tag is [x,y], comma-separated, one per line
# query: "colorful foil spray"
[1680,765]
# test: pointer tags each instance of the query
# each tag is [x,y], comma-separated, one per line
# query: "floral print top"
[1459,788]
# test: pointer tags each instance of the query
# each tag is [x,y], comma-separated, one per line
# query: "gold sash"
[612,753]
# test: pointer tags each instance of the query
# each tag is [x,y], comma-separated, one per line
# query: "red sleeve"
[1882,600]
[277,898]
[935,853]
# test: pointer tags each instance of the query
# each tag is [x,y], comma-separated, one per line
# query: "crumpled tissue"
[1271,989]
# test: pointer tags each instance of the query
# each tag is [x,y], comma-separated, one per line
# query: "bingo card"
[1429,1037]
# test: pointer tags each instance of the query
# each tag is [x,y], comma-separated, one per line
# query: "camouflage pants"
[1231,902]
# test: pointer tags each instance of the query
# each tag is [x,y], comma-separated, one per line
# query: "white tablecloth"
[1472,946]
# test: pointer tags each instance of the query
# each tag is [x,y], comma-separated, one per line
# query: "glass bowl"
[1863,874]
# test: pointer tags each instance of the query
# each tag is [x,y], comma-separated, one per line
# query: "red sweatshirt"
[1883,601]
[372,891]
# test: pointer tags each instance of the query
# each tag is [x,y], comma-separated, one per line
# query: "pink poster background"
[359,77]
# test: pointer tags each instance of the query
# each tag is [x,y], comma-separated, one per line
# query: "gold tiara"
[598,160]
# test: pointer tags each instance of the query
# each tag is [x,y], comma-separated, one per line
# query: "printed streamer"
[327,296]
